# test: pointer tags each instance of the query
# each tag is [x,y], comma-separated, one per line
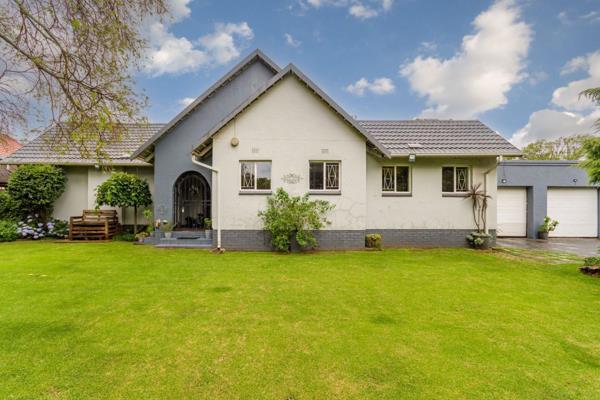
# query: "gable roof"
[8,145]
[293,70]
[436,137]
[42,150]
[256,55]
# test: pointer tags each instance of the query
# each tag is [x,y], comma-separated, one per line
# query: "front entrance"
[191,194]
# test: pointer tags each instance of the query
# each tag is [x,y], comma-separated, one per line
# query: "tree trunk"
[134,220]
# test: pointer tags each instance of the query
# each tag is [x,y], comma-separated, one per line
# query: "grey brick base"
[258,240]
[425,237]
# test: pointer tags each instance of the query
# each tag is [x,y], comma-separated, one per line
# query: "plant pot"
[543,235]
[168,235]
[485,244]
[208,234]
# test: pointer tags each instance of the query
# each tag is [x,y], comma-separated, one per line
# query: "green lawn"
[112,320]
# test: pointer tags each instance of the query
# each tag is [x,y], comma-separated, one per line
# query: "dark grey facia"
[173,150]
[537,177]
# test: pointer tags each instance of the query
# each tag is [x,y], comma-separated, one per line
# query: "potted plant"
[208,228]
[167,228]
[479,239]
[548,226]
[141,236]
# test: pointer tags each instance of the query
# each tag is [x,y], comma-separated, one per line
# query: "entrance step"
[184,242]
[189,235]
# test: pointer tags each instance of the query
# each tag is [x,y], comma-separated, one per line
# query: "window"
[255,175]
[324,175]
[395,179]
[455,179]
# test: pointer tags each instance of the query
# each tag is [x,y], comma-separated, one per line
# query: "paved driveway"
[578,246]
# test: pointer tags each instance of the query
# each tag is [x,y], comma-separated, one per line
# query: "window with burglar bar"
[324,175]
[395,179]
[255,175]
[455,179]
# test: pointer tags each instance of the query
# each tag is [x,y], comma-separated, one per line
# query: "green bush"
[591,261]
[294,216]
[8,231]
[35,188]
[124,237]
[9,209]
[373,241]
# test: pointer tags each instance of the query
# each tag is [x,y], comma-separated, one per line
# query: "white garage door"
[576,210]
[512,212]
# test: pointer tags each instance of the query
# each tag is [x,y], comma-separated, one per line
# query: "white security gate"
[512,212]
[576,211]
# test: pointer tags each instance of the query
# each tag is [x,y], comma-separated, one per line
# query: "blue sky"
[515,65]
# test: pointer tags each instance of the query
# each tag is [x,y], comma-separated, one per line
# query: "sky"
[516,65]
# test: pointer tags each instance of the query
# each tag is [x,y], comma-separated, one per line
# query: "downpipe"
[216,173]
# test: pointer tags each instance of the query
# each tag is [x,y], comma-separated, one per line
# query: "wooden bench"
[94,224]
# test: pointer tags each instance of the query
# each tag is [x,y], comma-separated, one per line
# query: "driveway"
[578,246]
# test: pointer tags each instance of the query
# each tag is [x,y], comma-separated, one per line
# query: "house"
[261,127]
[8,145]
[530,190]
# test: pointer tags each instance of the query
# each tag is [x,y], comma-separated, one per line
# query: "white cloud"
[592,16]
[361,11]
[537,77]
[573,115]
[478,77]
[387,4]
[290,41]
[428,47]
[175,55]
[186,101]
[178,9]
[379,86]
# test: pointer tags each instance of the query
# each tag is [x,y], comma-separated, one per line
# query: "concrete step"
[188,234]
[184,242]
[184,246]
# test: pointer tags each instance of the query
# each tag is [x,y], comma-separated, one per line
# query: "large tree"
[563,148]
[73,59]
[591,146]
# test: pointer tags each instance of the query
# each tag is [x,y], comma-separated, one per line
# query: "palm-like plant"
[479,199]
[594,95]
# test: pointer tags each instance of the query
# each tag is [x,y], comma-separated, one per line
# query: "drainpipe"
[216,172]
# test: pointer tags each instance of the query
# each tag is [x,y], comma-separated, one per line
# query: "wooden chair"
[94,224]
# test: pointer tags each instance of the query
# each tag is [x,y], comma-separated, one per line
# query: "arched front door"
[191,200]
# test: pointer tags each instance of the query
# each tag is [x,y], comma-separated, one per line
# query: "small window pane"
[247,175]
[387,179]
[402,179]
[462,179]
[263,176]
[316,176]
[333,176]
[447,179]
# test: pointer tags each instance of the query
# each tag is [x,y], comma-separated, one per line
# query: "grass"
[113,320]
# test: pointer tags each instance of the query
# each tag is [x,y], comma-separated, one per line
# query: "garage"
[512,212]
[576,210]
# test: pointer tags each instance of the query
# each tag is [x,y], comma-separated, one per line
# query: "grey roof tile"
[438,137]
[48,150]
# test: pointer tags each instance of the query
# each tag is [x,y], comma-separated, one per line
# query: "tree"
[591,146]
[594,95]
[124,190]
[35,189]
[563,148]
[287,216]
[73,59]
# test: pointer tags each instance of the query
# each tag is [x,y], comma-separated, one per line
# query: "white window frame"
[325,190]
[469,178]
[255,162]
[395,166]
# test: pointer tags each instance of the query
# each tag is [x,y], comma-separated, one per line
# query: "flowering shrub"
[32,228]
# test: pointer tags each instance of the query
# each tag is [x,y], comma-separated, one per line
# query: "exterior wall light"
[412,158]
[503,180]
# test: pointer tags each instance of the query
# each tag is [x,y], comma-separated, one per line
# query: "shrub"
[294,216]
[8,231]
[124,190]
[591,261]
[33,228]
[9,209]
[58,229]
[373,241]
[35,188]
[548,226]
[124,237]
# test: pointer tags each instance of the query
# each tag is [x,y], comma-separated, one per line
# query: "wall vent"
[255,150]
[324,151]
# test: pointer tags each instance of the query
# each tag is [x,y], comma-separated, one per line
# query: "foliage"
[563,148]
[287,216]
[9,208]
[478,240]
[594,95]
[35,188]
[591,261]
[591,164]
[166,226]
[124,190]
[549,225]
[73,62]
[34,228]
[124,237]
[8,231]
[149,216]
[373,241]
[479,199]
[142,235]
[207,223]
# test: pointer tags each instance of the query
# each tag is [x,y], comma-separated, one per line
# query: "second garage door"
[576,210]
[512,212]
